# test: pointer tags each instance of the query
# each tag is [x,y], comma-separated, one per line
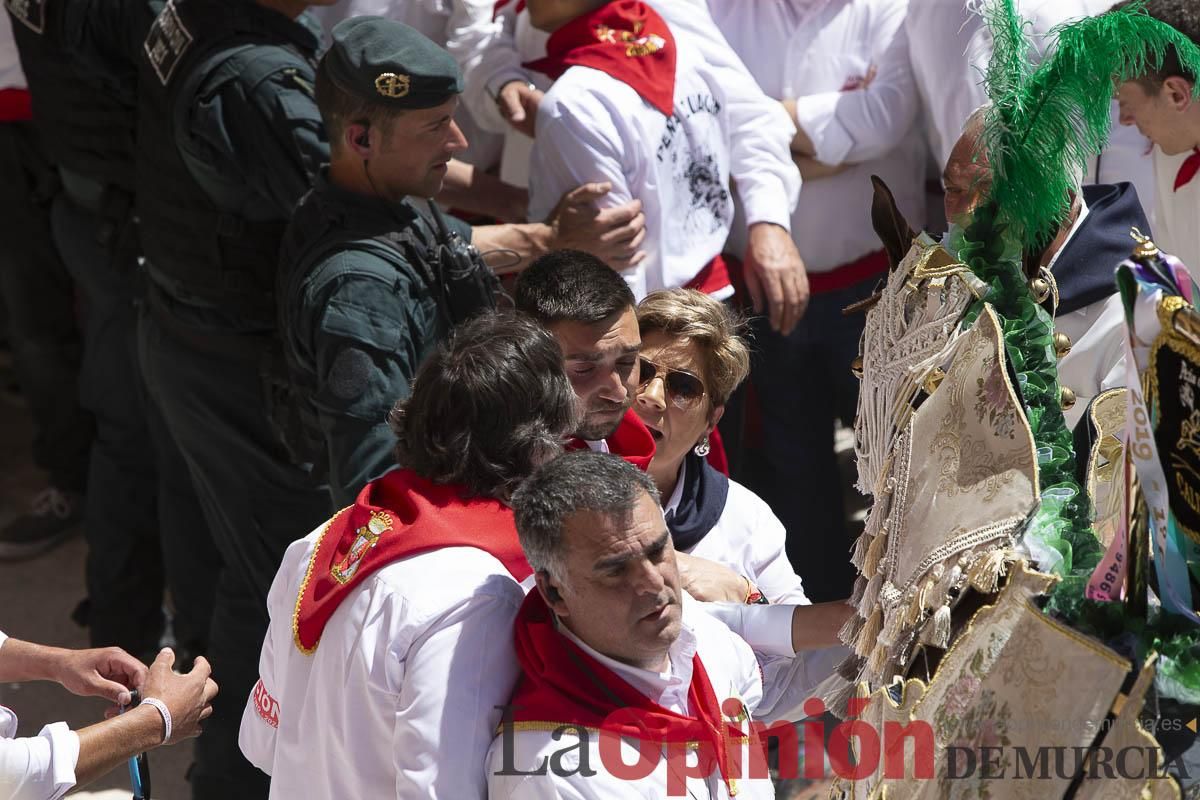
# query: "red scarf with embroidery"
[631,441]
[400,514]
[625,39]
[562,685]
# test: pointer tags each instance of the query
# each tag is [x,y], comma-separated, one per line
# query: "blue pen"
[139,765]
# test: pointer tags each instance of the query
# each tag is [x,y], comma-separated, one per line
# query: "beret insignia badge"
[389,84]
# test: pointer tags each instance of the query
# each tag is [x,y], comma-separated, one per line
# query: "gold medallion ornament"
[636,44]
[389,84]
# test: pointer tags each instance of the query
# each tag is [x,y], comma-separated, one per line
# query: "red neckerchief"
[625,39]
[500,4]
[560,684]
[400,514]
[1188,169]
[631,441]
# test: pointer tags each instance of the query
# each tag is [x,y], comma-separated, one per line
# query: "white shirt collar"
[600,445]
[677,495]
[669,689]
[1083,212]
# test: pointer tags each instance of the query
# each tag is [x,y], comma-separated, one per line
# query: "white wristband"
[166,715]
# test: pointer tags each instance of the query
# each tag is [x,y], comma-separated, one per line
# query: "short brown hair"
[1183,16]
[695,317]
[340,108]
[487,407]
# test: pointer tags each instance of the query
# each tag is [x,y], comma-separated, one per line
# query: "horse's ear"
[890,225]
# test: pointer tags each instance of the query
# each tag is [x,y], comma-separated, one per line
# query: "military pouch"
[467,285]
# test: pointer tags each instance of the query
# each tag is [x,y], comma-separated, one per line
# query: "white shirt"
[950,50]
[38,767]
[809,51]
[749,539]
[1177,226]
[11,75]
[731,668]
[447,23]
[399,698]
[592,127]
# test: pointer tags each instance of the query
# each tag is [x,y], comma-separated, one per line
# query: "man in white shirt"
[639,102]
[46,766]
[1163,107]
[840,68]
[611,647]
[1083,258]
[952,48]
[389,645]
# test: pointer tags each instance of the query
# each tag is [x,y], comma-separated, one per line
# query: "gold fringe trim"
[986,571]
[308,571]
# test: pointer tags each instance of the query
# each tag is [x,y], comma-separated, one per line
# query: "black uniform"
[228,140]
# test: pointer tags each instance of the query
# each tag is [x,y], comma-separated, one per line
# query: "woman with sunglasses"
[692,359]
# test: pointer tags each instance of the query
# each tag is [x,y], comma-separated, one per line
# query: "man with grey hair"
[616,656]
[1089,320]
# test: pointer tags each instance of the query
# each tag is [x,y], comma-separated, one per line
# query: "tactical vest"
[203,250]
[86,124]
[317,232]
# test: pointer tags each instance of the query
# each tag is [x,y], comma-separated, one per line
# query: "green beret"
[388,62]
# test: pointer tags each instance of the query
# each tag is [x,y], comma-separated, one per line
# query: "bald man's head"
[968,175]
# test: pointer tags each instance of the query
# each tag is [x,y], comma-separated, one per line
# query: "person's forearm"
[816,626]
[25,661]
[527,241]
[811,169]
[106,745]
[801,144]
[471,189]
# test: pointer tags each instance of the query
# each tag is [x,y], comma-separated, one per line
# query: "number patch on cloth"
[166,43]
[30,13]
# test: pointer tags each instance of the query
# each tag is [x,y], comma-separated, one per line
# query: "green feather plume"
[1044,125]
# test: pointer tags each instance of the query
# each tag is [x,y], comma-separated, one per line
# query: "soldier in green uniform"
[227,139]
[362,294]
[88,123]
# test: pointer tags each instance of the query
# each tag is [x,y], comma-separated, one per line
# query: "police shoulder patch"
[30,13]
[166,42]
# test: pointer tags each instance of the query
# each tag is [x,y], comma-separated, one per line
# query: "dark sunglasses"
[682,387]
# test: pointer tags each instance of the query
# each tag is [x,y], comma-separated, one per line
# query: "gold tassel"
[869,634]
[987,570]
[941,627]
[874,555]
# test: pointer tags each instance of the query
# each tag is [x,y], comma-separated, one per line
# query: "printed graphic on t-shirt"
[688,144]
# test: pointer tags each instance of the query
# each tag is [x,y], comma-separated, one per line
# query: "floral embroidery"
[992,402]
